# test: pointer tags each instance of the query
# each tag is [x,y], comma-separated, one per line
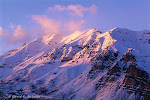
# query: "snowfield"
[88,65]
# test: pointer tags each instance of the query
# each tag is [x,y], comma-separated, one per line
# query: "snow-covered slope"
[84,65]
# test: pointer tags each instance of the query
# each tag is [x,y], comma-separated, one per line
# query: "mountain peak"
[81,37]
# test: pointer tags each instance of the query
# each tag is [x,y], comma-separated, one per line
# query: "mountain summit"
[84,65]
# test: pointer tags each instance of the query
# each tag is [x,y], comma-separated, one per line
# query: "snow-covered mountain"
[87,65]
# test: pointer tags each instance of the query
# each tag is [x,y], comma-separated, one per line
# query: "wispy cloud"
[74,25]
[12,26]
[48,25]
[57,27]
[18,35]
[1,31]
[61,22]
[76,9]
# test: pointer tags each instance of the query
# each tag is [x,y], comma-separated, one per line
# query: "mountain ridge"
[82,65]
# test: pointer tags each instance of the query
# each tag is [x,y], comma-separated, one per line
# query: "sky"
[24,20]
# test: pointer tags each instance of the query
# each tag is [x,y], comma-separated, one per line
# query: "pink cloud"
[18,35]
[58,7]
[48,25]
[76,9]
[12,26]
[57,27]
[93,9]
[74,25]
[1,31]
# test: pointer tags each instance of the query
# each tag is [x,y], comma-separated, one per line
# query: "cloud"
[18,35]
[12,26]
[76,9]
[57,27]
[1,31]
[48,25]
[74,25]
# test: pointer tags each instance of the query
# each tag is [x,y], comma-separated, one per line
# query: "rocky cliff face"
[84,65]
